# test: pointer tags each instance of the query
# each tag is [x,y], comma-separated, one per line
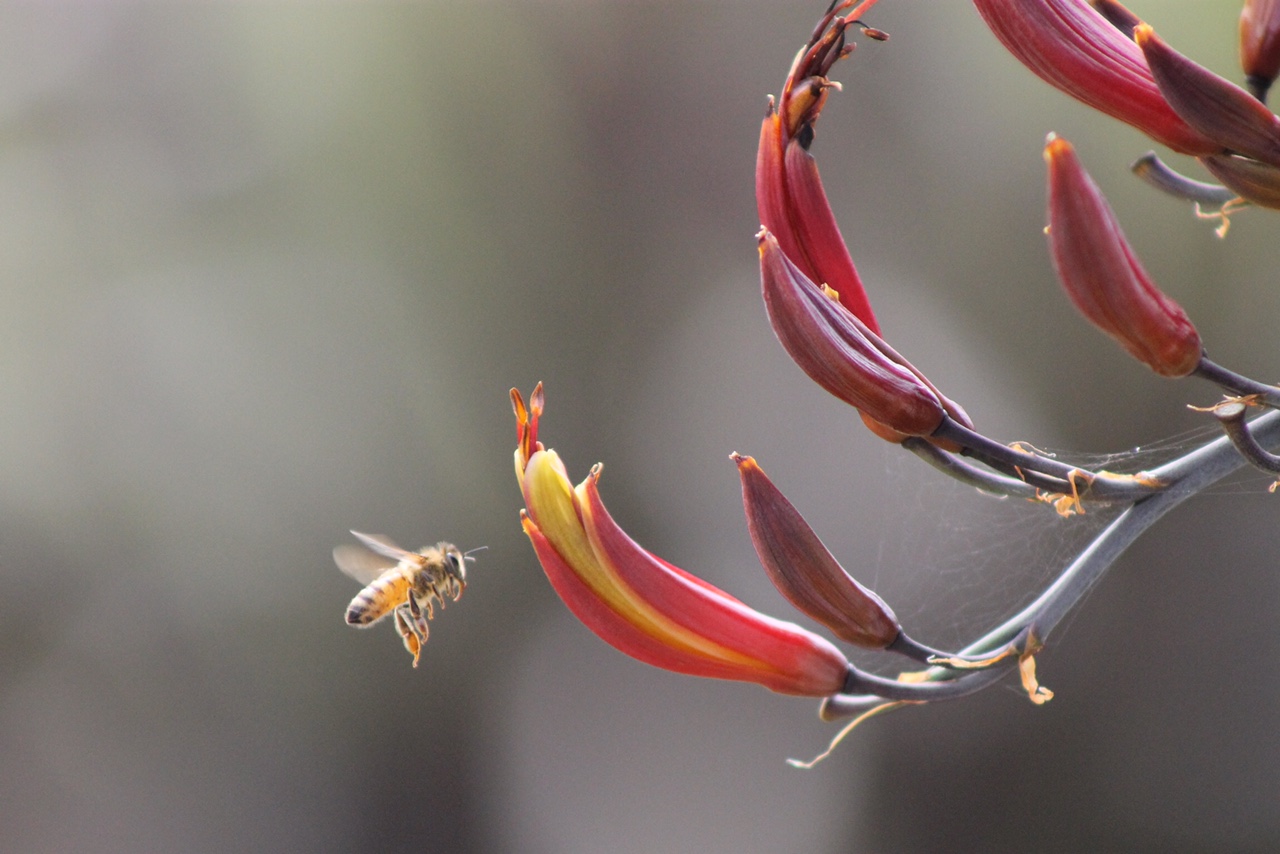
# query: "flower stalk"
[1099,53]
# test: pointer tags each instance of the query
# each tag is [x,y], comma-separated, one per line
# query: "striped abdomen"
[380,598]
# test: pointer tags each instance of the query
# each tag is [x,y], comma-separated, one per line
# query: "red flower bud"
[1211,104]
[1260,44]
[1104,278]
[1071,46]
[802,569]
[839,352]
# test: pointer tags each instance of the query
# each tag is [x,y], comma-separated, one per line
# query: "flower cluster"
[817,304]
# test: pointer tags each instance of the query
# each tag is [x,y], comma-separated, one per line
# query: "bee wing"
[360,563]
[384,546]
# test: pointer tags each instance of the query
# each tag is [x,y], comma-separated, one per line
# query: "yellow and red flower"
[644,606]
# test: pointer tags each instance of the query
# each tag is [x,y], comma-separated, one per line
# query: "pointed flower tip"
[526,425]
[1103,277]
[1118,16]
[804,571]
[652,610]
[1055,146]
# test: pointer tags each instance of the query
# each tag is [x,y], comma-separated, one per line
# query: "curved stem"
[1235,383]
[907,646]
[1231,415]
[884,688]
[1188,474]
[953,466]
[1153,170]
[1104,486]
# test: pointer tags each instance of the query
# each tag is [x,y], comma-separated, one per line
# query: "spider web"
[954,562]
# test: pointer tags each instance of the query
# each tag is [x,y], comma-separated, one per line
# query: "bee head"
[455,562]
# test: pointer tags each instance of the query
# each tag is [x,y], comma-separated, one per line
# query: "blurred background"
[268,273]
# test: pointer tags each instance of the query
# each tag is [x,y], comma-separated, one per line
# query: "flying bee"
[405,584]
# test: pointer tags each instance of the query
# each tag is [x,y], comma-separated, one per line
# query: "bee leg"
[420,627]
[409,635]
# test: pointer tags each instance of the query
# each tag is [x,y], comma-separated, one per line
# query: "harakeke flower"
[1102,275]
[789,194]
[644,606]
[841,354]
[1073,47]
[806,270]
[804,571]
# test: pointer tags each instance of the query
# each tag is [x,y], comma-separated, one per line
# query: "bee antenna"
[467,553]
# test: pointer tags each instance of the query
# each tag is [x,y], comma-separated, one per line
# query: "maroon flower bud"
[1260,44]
[1102,276]
[1071,46]
[1257,182]
[839,352]
[1211,104]
[804,571]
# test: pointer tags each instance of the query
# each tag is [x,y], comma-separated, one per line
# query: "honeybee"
[402,583]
